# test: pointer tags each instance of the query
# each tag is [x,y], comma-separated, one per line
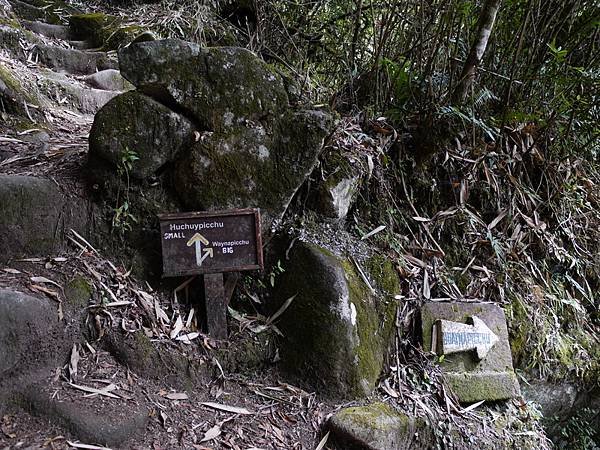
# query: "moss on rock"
[136,133]
[12,92]
[379,427]
[78,292]
[220,86]
[90,26]
[336,331]
[102,31]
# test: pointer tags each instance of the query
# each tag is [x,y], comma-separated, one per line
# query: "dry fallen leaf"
[73,363]
[86,446]
[176,328]
[177,396]
[231,409]
[44,280]
[323,442]
[211,434]
[187,338]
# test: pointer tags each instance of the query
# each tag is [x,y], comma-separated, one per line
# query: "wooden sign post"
[210,243]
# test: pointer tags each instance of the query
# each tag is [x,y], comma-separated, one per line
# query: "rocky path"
[67,379]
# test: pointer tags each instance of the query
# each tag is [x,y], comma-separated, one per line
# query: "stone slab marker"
[473,338]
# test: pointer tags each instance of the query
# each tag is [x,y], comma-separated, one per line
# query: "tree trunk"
[484,29]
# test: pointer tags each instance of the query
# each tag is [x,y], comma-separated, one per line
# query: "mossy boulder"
[379,427]
[220,87]
[336,330]
[102,30]
[117,37]
[134,124]
[90,26]
[36,216]
[252,166]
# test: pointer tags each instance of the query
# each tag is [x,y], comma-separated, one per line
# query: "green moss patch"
[78,292]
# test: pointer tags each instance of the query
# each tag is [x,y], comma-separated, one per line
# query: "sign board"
[473,338]
[211,242]
[454,337]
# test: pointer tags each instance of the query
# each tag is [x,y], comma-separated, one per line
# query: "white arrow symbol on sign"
[197,240]
[457,337]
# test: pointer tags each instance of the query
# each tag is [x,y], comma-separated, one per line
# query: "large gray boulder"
[136,124]
[336,330]
[252,166]
[250,149]
[35,216]
[220,86]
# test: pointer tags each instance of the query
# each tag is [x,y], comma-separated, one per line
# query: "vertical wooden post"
[216,308]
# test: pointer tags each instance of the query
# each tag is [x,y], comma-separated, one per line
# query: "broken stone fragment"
[336,197]
[339,180]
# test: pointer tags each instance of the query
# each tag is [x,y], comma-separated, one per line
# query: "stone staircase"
[51,86]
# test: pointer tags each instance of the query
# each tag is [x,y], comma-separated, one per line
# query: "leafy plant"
[277,270]
[579,432]
[123,219]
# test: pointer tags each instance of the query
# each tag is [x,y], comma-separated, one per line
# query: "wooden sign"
[455,337]
[211,242]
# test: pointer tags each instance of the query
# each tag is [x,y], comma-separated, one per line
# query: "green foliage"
[579,432]
[275,271]
[126,163]
[123,219]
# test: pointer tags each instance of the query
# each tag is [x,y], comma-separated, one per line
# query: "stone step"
[86,99]
[47,29]
[80,45]
[11,38]
[30,334]
[28,11]
[37,215]
[104,423]
[108,80]
[73,61]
